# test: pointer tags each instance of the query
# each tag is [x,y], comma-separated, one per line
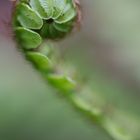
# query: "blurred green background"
[105,51]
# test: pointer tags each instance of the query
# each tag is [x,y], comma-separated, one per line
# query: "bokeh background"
[106,51]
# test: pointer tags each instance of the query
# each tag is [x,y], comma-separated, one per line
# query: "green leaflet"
[44,32]
[61,82]
[28,39]
[65,27]
[49,31]
[45,10]
[58,7]
[36,6]
[60,10]
[48,7]
[68,14]
[54,34]
[87,108]
[40,61]
[27,17]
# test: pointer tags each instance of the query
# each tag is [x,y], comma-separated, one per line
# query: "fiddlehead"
[37,20]
[34,22]
[43,20]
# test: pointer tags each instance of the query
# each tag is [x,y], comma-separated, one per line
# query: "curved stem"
[42,59]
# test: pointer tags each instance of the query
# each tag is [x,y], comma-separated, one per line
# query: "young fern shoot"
[37,21]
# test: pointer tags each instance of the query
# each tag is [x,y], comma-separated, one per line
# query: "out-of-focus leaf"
[27,17]
[40,61]
[27,39]
[61,82]
[68,14]
[43,8]
[58,7]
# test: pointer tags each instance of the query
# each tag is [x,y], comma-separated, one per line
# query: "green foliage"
[43,8]
[40,61]
[35,20]
[61,82]
[59,6]
[28,39]
[49,18]
[67,15]
[27,17]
